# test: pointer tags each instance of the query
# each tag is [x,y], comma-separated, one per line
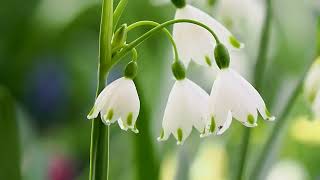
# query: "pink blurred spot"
[61,168]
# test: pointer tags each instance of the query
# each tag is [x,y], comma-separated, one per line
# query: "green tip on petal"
[267,112]
[135,130]
[110,114]
[106,120]
[208,61]
[250,119]
[203,134]
[234,42]
[212,125]
[269,116]
[180,135]
[162,134]
[129,119]
[89,116]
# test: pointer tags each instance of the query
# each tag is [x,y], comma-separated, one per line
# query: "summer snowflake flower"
[118,101]
[186,108]
[312,82]
[195,43]
[234,97]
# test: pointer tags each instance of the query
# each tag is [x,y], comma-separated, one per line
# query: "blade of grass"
[9,138]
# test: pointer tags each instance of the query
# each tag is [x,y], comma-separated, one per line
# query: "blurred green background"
[48,67]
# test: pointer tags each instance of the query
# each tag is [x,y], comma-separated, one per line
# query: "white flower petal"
[102,97]
[119,101]
[232,93]
[194,42]
[186,107]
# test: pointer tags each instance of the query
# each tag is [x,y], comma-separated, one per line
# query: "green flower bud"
[119,37]
[179,3]
[178,70]
[131,70]
[221,55]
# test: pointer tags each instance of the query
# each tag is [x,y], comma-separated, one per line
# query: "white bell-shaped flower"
[233,97]
[118,101]
[186,108]
[312,82]
[316,105]
[196,43]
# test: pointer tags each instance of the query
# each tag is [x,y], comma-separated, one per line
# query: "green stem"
[152,23]
[9,136]
[263,48]
[99,149]
[118,12]
[145,36]
[258,79]
[279,124]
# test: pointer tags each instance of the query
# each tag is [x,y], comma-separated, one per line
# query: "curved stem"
[152,23]
[134,54]
[99,153]
[145,36]
[258,76]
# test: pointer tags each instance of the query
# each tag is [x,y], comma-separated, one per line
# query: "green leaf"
[9,138]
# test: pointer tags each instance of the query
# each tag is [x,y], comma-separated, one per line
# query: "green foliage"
[9,138]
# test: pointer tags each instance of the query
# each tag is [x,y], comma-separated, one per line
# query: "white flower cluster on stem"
[188,105]
[231,96]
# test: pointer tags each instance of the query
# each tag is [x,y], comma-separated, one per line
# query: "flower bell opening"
[221,56]
[179,3]
[178,70]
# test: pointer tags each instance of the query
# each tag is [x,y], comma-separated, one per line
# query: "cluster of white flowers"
[188,104]
[312,87]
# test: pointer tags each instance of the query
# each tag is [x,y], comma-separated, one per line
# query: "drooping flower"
[194,42]
[312,82]
[119,101]
[186,108]
[233,97]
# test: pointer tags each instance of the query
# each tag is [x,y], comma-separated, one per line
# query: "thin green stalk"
[99,149]
[145,36]
[148,166]
[118,12]
[258,79]
[152,23]
[279,124]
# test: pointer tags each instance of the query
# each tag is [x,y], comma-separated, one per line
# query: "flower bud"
[221,55]
[119,37]
[131,70]
[178,70]
[179,3]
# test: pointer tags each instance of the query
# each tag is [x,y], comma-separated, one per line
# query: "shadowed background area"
[48,69]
